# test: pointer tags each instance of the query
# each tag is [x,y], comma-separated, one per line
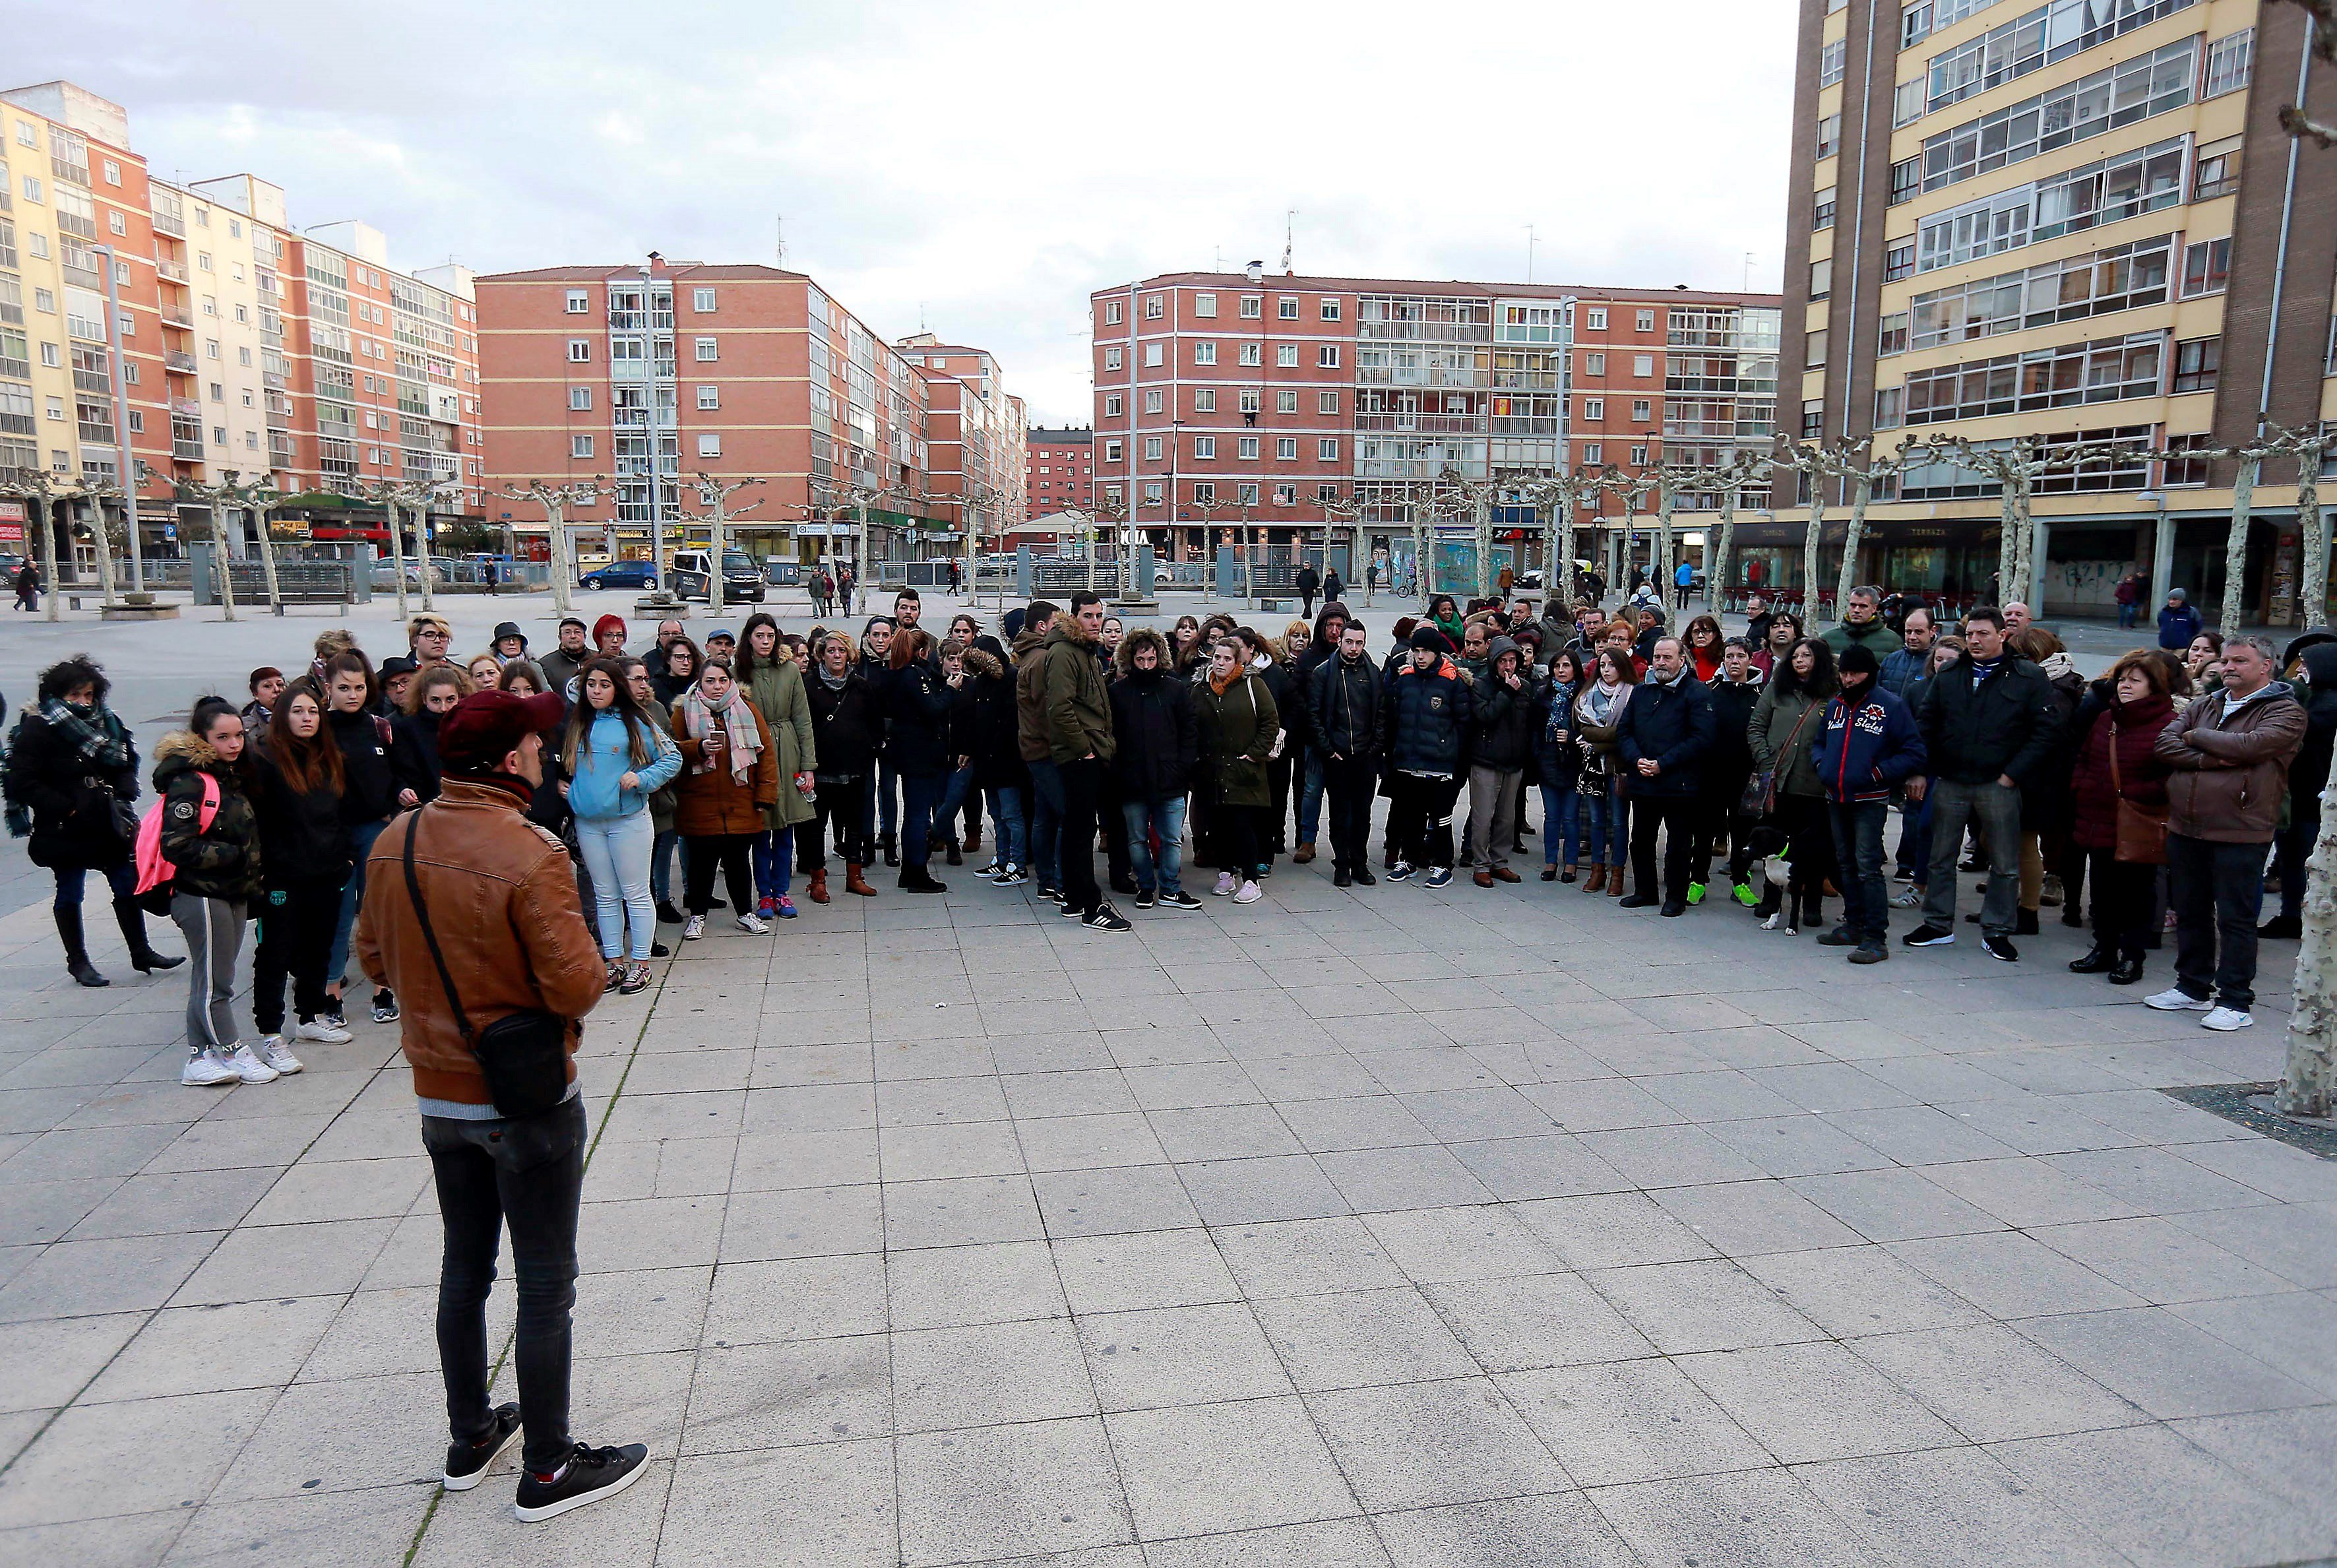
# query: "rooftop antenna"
[1288,216]
[780,229]
[1749,272]
[1529,253]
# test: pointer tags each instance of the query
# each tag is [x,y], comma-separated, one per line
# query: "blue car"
[622,574]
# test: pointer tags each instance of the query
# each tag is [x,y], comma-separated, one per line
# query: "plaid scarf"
[97,736]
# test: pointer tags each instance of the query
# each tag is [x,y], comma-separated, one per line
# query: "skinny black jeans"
[732,854]
[295,942]
[528,1174]
[840,802]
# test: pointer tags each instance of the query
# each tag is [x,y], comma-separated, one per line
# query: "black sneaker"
[1341,879]
[384,1007]
[1052,894]
[1364,877]
[1905,874]
[589,1476]
[2000,948]
[1929,936]
[1145,899]
[467,1462]
[669,916]
[1180,899]
[1840,936]
[1069,911]
[1106,919]
[1874,952]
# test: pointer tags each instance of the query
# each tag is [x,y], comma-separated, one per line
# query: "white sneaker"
[2173,1000]
[250,1068]
[2228,1018]
[273,1051]
[324,1032]
[1910,899]
[752,924]
[1226,884]
[204,1070]
[693,928]
[1249,894]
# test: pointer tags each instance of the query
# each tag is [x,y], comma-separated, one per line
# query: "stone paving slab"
[1388,1227]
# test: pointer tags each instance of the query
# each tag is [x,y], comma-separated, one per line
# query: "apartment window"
[1205,353]
[1898,261]
[2215,173]
[1820,279]
[211,349]
[1286,449]
[1111,450]
[710,446]
[1330,310]
[1814,348]
[1114,406]
[28,133]
[2119,95]
[1822,210]
[1204,305]
[1325,493]
[1642,410]
[219,393]
[1907,103]
[1639,457]
[1829,135]
[56,407]
[2196,361]
[2206,266]
[701,300]
[1327,357]
[1253,307]
[2230,60]
[580,446]
[1906,180]
[2097,372]
[1286,355]
[1327,449]
[1249,404]
[579,303]
[1597,318]
[1205,400]
[1326,402]
[1646,320]
[1152,448]
[706,350]
[1152,354]
[1594,364]
[1813,418]
[1152,308]
[1111,312]
[138,422]
[580,350]
[1594,409]
[1205,447]
[1245,448]
[1287,310]
[2187,472]
[1152,494]
[1205,493]
[1152,399]
[1285,495]
[32,189]
[219,434]
[1830,58]
[580,399]
[1285,402]
[1890,335]
[1643,365]
[1245,494]
[1594,452]
[1112,359]
[1890,403]
[51,356]
[1251,354]
[710,397]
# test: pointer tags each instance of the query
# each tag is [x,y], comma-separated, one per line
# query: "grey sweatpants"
[1493,814]
[213,928]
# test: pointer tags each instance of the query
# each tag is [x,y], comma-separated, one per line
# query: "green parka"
[1235,731]
[776,693]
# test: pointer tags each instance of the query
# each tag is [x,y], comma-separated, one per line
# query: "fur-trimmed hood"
[1123,659]
[985,664]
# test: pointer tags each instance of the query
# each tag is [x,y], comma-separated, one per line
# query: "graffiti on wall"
[2077,587]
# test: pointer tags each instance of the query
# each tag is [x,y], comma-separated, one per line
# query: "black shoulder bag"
[524,1054]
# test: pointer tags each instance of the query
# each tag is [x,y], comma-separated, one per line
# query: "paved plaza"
[1392,1227]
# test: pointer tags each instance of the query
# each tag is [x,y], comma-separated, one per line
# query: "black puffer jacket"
[1728,765]
[845,725]
[2309,774]
[917,707]
[1976,731]
[1671,724]
[369,787]
[1152,719]
[1345,701]
[301,835]
[71,800]
[1424,727]
[222,862]
[1503,732]
[414,753]
[997,757]
[1289,691]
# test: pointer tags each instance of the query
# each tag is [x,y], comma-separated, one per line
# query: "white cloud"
[987,165]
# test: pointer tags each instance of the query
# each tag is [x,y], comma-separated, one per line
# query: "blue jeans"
[1310,797]
[1858,862]
[1561,824]
[121,879]
[775,861]
[361,838]
[1008,826]
[1915,839]
[921,793]
[889,786]
[1144,818]
[1046,823]
[2128,615]
[1606,831]
[661,865]
[954,786]
[616,851]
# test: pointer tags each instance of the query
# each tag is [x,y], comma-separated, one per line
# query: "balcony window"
[2206,266]
[2196,362]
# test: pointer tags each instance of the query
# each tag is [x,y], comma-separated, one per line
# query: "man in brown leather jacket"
[502,900]
[2230,752]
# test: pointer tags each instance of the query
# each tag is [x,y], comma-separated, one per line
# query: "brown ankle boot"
[819,885]
[1615,882]
[972,839]
[1597,881]
[1303,854]
[855,883]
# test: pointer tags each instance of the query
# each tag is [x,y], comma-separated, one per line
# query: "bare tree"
[259,494]
[383,494]
[40,491]
[712,494]
[555,500]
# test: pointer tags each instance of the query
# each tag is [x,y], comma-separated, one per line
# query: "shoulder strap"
[430,938]
[211,802]
[2109,722]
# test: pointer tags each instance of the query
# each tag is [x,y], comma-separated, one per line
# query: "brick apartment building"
[246,345]
[1233,390]
[974,435]
[1060,472]
[735,371]
[2056,221]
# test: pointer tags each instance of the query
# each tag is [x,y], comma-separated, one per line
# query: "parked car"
[385,577]
[10,564]
[620,575]
[742,580]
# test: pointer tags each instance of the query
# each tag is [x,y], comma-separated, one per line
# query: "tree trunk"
[397,554]
[556,514]
[2008,509]
[1810,551]
[221,559]
[2024,540]
[2315,529]
[714,585]
[44,514]
[104,548]
[1715,571]
[1664,503]
[421,539]
[1861,491]
[267,561]
[1481,520]
[2309,1086]
[2236,548]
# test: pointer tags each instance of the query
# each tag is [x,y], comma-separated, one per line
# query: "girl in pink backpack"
[210,840]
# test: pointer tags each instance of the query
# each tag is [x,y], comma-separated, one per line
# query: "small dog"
[1764,848]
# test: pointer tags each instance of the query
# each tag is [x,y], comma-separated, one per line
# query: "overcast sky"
[980,167]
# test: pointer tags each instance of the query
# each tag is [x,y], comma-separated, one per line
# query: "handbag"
[2141,829]
[1760,798]
[120,813]
[523,1054]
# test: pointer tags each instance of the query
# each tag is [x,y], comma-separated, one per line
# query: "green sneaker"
[1696,892]
[1745,895]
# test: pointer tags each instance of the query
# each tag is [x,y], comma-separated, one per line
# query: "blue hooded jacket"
[604,756]
[2177,623]
[1864,748]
